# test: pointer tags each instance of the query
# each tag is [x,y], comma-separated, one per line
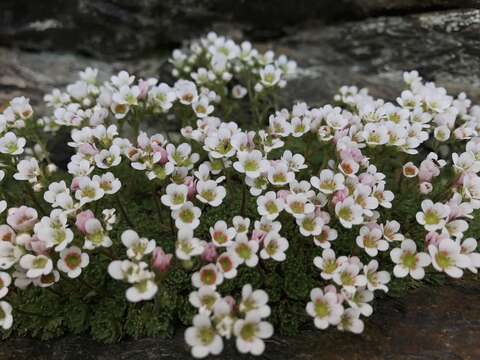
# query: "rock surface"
[374,52]
[441,323]
[122,28]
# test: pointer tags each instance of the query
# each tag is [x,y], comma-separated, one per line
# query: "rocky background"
[43,44]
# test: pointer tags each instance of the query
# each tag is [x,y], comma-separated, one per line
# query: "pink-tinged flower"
[258,235]
[22,219]
[87,149]
[192,187]
[7,234]
[82,219]
[425,187]
[448,257]
[209,253]
[160,260]
[75,185]
[339,196]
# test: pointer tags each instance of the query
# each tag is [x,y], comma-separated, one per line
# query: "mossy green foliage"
[95,304]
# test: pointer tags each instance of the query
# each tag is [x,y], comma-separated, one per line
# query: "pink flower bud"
[192,187]
[74,186]
[209,253]
[230,301]
[339,196]
[81,220]
[425,187]
[160,260]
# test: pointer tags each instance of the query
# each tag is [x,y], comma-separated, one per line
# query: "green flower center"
[443,260]
[208,195]
[271,207]
[250,165]
[345,213]
[308,224]
[248,332]
[297,207]
[178,198]
[346,278]
[40,263]
[220,237]
[187,216]
[73,261]
[431,218]
[329,266]
[409,260]
[321,309]
[206,335]
[209,277]
[243,251]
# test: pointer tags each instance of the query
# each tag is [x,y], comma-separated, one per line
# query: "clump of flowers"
[188,227]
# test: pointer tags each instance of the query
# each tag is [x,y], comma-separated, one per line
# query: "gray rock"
[374,52]
[129,29]
[442,46]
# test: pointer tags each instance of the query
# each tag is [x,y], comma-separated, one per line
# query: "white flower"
[227,264]
[252,163]
[186,91]
[6,318]
[326,236]
[328,263]
[9,254]
[187,216]
[370,239]
[108,183]
[203,338]
[391,231]
[5,281]
[376,280]
[250,333]
[360,300]
[108,158]
[122,79]
[208,275]
[274,247]
[3,206]
[310,225]
[298,205]
[11,145]
[88,190]
[245,251]
[143,290]
[433,216]
[408,261]
[54,231]
[348,277]
[28,170]
[137,247]
[238,92]
[55,189]
[175,196]
[447,257]
[241,224]
[201,107]
[270,75]
[221,235]
[254,301]
[209,192]
[349,213]
[187,245]
[36,265]
[469,247]
[269,205]
[72,261]
[279,174]
[328,182]
[325,308]
[204,299]
[350,321]
[96,235]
